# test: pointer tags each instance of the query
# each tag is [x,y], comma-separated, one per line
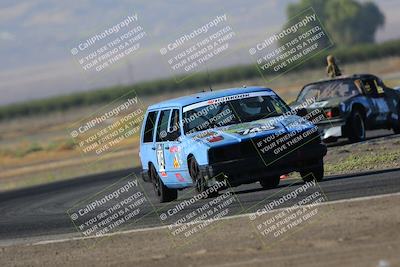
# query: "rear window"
[149,127]
[162,126]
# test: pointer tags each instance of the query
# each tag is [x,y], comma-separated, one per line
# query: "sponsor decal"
[227,98]
[205,134]
[176,162]
[256,129]
[179,177]
[174,149]
[215,139]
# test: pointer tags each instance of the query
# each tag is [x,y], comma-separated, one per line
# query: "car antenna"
[208,79]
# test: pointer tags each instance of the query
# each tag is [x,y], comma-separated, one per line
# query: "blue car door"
[170,156]
[379,106]
[175,160]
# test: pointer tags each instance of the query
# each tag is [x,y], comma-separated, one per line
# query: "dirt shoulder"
[375,154]
[356,233]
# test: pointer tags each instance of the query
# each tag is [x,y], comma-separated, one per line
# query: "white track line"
[223,218]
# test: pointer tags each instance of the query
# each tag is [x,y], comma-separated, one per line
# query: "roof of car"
[199,97]
[344,77]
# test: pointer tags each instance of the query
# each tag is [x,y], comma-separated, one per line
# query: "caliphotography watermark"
[193,49]
[301,38]
[107,47]
[288,211]
[111,209]
[109,128]
[290,137]
[198,213]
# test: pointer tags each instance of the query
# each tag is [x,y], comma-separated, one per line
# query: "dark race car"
[352,105]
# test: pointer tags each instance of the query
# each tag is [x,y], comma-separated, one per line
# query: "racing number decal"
[256,129]
[160,158]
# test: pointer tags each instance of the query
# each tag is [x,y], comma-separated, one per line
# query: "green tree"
[347,21]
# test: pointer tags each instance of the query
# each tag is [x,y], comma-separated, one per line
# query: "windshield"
[326,90]
[216,113]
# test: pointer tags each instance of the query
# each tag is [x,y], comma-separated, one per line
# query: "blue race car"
[231,137]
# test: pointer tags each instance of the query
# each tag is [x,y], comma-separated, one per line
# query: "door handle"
[166,147]
[153,148]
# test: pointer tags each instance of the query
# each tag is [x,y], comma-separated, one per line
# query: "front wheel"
[315,173]
[198,178]
[163,193]
[356,127]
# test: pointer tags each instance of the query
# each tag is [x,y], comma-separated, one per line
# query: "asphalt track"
[42,211]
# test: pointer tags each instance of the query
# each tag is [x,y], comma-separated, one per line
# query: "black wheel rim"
[360,129]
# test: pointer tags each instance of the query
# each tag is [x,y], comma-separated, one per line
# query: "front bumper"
[252,169]
[331,128]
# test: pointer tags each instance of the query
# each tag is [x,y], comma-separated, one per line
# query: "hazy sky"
[36,38]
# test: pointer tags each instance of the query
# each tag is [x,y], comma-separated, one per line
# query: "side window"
[149,127]
[174,129]
[370,87]
[358,85]
[379,87]
[279,107]
[161,134]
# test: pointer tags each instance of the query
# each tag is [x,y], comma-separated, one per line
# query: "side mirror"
[301,112]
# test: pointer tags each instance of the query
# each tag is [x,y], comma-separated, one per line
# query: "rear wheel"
[314,173]
[198,178]
[163,193]
[270,182]
[356,127]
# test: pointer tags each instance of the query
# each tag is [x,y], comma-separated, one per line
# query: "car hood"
[244,131]
[326,103]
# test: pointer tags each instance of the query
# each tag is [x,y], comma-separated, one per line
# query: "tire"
[316,173]
[163,193]
[356,127]
[198,178]
[270,182]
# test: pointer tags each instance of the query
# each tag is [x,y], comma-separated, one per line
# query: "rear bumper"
[248,170]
